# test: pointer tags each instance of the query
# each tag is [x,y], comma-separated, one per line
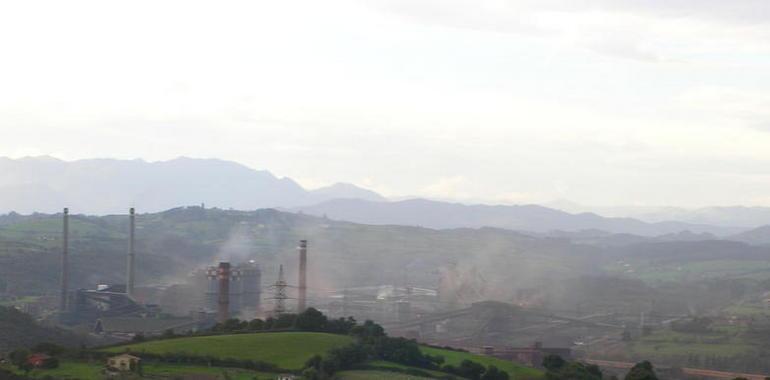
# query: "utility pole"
[279,293]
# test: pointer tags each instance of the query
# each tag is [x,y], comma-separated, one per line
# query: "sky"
[607,102]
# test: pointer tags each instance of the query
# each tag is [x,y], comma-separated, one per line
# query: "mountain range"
[732,216]
[531,218]
[106,186]
[110,186]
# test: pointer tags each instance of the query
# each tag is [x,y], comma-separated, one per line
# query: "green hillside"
[289,350]
[177,241]
[19,330]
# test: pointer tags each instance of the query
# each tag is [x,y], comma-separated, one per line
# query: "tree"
[553,362]
[19,359]
[311,320]
[168,334]
[340,325]
[50,363]
[256,325]
[314,361]
[368,330]
[562,370]
[470,369]
[233,324]
[284,321]
[642,371]
[49,349]
[493,373]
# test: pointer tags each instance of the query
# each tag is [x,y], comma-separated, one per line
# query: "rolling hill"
[533,218]
[288,350]
[173,243]
[19,330]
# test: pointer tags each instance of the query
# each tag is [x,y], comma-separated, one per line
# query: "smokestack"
[223,303]
[131,254]
[65,262]
[302,299]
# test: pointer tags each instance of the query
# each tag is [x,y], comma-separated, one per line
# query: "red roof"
[37,359]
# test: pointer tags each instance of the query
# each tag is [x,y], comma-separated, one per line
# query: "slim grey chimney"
[223,301]
[131,253]
[65,262]
[302,299]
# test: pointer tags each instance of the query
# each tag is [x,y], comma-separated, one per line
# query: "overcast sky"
[613,102]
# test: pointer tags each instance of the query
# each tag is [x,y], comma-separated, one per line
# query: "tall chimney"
[131,253]
[223,303]
[302,299]
[65,262]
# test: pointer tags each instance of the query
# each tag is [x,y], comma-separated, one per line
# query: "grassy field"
[515,370]
[670,343]
[383,365]
[747,310]
[93,371]
[698,270]
[289,350]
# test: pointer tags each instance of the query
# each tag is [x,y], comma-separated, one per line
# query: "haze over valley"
[385,189]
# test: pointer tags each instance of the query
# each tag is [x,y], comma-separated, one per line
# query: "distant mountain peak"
[106,186]
[343,190]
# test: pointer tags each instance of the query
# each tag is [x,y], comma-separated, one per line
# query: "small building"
[124,362]
[38,360]
[286,376]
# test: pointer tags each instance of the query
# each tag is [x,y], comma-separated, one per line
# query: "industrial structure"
[89,305]
[302,298]
[223,298]
[242,289]
[232,289]
[228,290]
[279,293]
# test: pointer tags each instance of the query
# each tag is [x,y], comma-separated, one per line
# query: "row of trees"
[309,320]
[373,344]
[560,369]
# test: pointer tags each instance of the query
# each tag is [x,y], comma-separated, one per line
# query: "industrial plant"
[219,292]
[449,314]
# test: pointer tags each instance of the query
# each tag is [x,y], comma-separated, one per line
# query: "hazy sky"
[615,102]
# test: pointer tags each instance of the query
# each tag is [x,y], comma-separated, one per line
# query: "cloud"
[645,31]
[729,105]
[455,187]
